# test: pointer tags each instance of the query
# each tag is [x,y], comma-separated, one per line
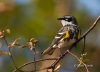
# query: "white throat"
[65,22]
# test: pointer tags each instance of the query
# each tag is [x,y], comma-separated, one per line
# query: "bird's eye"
[70,19]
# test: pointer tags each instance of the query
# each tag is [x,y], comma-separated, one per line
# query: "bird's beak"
[60,18]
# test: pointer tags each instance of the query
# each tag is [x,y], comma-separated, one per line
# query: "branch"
[10,53]
[84,35]
[78,60]
[34,62]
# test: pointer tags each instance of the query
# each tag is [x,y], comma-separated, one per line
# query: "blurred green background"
[38,19]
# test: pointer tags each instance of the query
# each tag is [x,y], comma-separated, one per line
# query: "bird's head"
[67,20]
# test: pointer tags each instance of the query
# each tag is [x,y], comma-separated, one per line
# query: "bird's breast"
[66,43]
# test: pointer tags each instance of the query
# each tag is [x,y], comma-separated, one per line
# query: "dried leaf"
[8,31]
[15,41]
[22,46]
[84,54]
[1,34]
[4,53]
[17,44]
[30,45]
[81,60]
[33,40]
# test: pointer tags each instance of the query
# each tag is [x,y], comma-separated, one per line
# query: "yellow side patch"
[67,35]
[79,34]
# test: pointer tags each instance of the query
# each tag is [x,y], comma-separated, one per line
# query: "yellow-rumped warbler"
[66,36]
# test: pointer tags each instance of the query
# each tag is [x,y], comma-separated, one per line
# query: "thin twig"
[33,62]
[78,60]
[84,45]
[83,49]
[34,58]
[10,53]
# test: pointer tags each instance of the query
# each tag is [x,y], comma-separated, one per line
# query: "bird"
[66,36]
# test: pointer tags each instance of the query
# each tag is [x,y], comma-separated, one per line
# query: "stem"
[78,60]
[10,53]
[33,62]
[34,59]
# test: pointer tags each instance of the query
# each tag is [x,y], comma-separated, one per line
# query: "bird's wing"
[56,40]
[66,32]
[59,36]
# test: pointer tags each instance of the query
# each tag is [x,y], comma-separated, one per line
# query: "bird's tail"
[48,51]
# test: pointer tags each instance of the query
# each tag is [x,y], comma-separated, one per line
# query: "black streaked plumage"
[67,35]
